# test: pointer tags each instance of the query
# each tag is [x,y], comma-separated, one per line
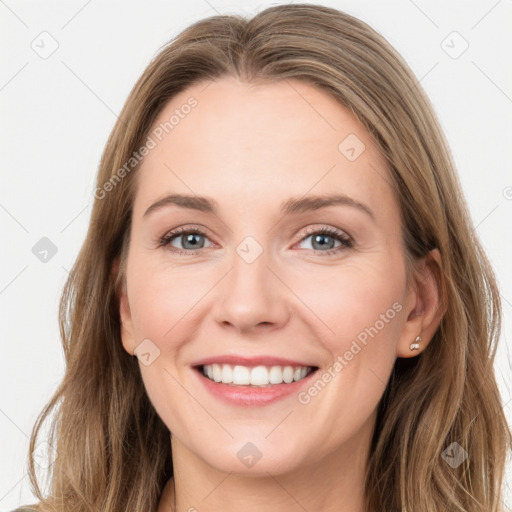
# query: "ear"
[125,317]
[425,306]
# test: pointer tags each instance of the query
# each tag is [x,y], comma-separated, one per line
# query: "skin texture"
[250,148]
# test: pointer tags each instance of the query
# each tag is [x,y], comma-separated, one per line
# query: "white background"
[58,112]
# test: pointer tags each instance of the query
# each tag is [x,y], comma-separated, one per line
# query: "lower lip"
[251,395]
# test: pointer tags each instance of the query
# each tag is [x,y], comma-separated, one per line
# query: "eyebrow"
[290,207]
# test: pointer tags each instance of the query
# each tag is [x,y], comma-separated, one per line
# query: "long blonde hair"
[113,450]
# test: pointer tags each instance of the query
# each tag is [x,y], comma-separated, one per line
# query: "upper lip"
[251,361]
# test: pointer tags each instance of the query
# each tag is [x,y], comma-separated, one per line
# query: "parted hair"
[113,452]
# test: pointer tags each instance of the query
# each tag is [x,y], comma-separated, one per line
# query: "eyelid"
[324,228]
[346,240]
[172,234]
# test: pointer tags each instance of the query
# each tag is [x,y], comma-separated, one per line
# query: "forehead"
[252,143]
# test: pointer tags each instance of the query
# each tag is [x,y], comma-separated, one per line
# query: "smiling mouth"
[254,376]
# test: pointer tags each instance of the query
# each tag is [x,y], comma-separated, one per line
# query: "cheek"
[360,305]
[161,311]
[357,305]
[162,300]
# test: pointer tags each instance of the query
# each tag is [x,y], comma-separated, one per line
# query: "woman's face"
[269,279]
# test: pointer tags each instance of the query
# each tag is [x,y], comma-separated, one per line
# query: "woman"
[281,302]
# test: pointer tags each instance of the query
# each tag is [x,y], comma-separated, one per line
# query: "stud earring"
[415,345]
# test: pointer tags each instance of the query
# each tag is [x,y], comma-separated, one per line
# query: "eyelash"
[346,241]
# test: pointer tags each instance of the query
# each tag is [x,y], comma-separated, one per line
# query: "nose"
[252,297]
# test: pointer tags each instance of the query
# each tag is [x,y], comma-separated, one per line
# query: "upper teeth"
[256,376]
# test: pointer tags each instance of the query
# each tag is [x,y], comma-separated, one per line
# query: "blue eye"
[326,238]
[189,238]
[192,240]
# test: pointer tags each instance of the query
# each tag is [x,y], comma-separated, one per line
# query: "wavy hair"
[114,451]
